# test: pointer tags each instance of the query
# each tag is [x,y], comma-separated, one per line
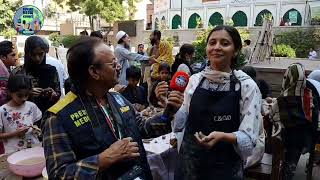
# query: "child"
[164,75]
[137,95]
[18,115]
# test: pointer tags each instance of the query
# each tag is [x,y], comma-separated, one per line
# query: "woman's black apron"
[210,111]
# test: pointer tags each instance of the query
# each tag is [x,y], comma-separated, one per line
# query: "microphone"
[179,83]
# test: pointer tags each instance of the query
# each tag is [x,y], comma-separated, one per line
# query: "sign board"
[293,16]
[28,20]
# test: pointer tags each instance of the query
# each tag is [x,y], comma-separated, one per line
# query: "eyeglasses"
[114,63]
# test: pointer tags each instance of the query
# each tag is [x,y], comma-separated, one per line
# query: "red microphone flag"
[179,81]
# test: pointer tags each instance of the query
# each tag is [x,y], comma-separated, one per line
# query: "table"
[162,157]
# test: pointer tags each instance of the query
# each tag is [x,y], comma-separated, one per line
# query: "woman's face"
[189,57]
[37,55]
[220,50]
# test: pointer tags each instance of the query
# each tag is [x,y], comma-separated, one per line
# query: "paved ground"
[283,63]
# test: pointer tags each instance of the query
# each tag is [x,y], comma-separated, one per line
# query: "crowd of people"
[89,113]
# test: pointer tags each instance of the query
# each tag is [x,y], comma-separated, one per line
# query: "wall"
[228,7]
[67,28]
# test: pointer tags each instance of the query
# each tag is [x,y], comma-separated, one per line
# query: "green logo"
[28,20]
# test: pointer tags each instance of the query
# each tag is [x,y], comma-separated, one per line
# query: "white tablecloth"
[162,157]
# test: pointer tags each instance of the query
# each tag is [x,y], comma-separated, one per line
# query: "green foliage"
[69,40]
[109,10]
[8,33]
[7,10]
[55,38]
[200,44]
[282,50]
[132,8]
[229,22]
[300,40]
[241,61]
[50,10]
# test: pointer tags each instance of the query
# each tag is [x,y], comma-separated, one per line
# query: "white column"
[278,14]
[184,17]
[227,12]
[168,18]
[252,15]
[205,20]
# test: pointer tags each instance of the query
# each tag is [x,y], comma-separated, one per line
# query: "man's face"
[153,39]
[10,59]
[133,82]
[164,75]
[126,40]
[141,48]
[107,68]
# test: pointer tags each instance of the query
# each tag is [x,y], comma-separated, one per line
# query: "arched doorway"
[156,23]
[176,21]
[192,23]
[259,18]
[293,16]
[216,19]
[240,19]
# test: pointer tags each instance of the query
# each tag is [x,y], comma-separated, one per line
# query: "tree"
[132,8]
[110,10]
[7,10]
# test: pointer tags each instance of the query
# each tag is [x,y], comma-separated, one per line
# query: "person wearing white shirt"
[62,73]
[312,54]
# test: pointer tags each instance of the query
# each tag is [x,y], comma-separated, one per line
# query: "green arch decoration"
[216,19]
[298,17]
[240,19]
[176,21]
[192,23]
[259,18]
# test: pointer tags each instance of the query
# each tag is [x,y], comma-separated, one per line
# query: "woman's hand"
[49,92]
[36,92]
[119,151]
[210,140]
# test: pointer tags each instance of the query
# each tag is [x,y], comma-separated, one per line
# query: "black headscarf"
[43,75]
[178,61]
[43,72]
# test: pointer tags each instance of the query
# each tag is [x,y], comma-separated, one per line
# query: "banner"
[28,20]
[293,16]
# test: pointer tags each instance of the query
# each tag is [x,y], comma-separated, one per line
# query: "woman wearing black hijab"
[45,81]
[183,59]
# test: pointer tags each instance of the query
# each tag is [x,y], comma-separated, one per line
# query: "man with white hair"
[124,55]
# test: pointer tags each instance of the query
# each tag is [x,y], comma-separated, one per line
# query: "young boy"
[137,95]
[164,75]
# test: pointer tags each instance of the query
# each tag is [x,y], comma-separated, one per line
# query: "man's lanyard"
[109,121]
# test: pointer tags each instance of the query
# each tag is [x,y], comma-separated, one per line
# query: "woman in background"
[45,82]
[183,59]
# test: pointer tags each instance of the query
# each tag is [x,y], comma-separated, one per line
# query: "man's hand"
[161,92]
[175,99]
[119,151]
[152,60]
